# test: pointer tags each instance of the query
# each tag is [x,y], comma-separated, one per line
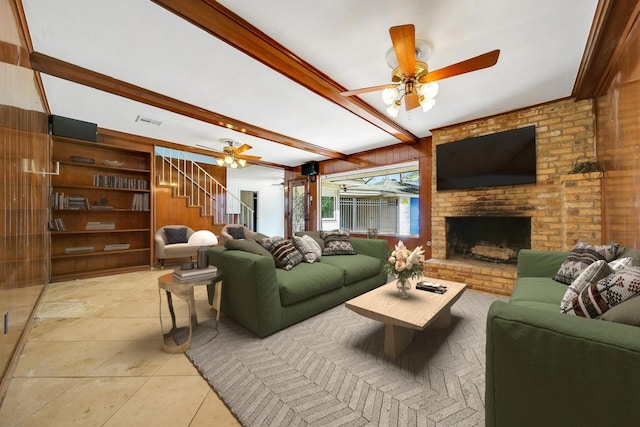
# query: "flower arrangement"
[403,263]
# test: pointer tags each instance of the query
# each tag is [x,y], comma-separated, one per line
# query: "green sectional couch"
[544,368]
[266,299]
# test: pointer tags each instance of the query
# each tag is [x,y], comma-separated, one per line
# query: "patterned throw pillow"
[337,243]
[582,255]
[284,253]
[309,248]
[614,289]
[592,274]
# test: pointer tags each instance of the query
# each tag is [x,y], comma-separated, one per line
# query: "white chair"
[166,248]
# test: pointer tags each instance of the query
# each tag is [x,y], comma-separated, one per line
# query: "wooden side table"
[184,291]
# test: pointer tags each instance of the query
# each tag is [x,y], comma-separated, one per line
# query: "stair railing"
[190,180]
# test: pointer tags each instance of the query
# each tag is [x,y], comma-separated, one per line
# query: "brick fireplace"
[558,210]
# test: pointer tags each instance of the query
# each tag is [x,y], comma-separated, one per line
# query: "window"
[384,199]
[328,207]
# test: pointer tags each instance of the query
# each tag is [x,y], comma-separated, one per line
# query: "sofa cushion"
[627,312]
[284,253]
[176,235]
[337,243]
[308,247]
[614,289]
[248,246]
[354,267]
[306,281]
[596,271]
[538,292]
[581,256]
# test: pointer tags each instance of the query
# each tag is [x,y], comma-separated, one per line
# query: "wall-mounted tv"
[503,158]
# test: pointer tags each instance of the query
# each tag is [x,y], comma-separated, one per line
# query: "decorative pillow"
[176,235]
[592,274]
[315,235]
[247,246]
[236,232]
[337,243]
[309,248]
[627,312]
[284,253]
[620,264]
[614,289]
[581,256]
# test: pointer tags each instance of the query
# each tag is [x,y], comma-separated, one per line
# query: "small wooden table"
[402,317]
[184,290]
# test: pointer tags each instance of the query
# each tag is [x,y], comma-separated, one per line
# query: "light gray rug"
[330,371]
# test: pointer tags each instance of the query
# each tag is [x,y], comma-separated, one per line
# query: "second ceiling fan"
[412,80]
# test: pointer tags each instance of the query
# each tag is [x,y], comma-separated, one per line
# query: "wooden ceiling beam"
[222,23]
[611,26]
[64,70]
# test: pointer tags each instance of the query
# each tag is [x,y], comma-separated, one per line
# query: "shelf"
[92,187]
[103,167]
[129,230]
[99,210]
[76,187]
[97,253]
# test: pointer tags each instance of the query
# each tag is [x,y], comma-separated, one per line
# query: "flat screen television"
[503,158]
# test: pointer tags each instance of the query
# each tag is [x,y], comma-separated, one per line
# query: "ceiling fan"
[412,80]
[232,149]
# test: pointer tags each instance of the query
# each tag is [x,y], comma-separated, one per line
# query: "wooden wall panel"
[24,145]
[618,146]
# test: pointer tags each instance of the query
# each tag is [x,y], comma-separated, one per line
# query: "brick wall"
[563,207]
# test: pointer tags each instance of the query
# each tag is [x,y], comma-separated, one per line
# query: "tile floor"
[93,357]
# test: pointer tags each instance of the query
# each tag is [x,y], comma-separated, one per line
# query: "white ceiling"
[139,42]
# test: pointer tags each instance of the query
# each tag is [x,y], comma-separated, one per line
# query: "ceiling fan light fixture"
[429,90]
[233,165]
[427,104]
[389,95]
[228,159]
[220,162]
[393,109]
[242,162]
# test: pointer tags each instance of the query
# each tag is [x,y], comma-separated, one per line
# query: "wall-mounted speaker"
[71,128]
[310,169]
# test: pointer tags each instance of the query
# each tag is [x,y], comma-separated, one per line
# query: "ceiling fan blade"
[367,89]
[242,148]
[479,62]
[251,158]
[403,38]
[411,101]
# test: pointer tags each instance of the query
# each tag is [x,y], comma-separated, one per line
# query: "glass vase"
[404,286]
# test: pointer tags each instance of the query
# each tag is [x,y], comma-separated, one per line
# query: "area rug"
[330,370]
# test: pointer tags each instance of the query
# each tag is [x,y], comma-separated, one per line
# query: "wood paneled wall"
[24,147]
[618,145]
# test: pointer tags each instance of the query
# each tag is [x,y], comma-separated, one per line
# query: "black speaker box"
[310,169]
[71,128]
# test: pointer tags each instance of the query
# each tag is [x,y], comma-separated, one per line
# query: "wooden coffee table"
[402,317]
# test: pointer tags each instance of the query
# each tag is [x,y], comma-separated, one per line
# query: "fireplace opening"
[494,239]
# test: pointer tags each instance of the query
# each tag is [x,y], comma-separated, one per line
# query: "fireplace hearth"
[491,239]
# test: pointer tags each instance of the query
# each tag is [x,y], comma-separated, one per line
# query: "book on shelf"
[140,202]
[100,225]
[117,246]
[57,224]
[195,274]
[79,249]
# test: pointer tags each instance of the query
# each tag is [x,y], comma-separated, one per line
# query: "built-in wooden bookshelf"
[100,209]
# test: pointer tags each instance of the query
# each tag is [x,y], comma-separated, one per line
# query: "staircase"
[201,191]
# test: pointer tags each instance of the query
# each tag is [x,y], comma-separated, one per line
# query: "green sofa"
[544,368]
[266,299]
